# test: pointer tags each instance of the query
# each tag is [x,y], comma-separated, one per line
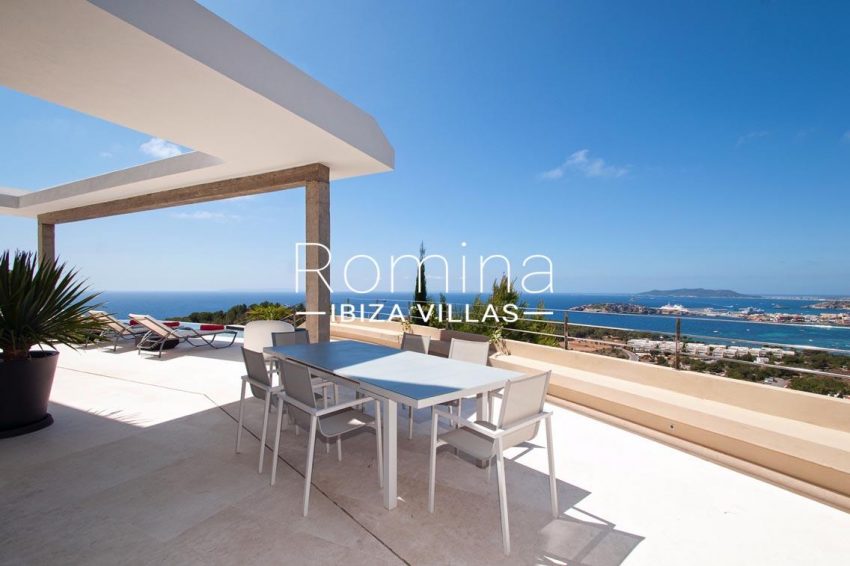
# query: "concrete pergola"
[174,70]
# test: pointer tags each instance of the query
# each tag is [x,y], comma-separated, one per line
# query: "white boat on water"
[673,309]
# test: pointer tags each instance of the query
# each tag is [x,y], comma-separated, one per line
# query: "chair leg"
[454,424]
[503,498]
[550,448]
[263,435]
[241,413]
[308,474]
[432,464]
[325,399]
[491,410]
[410,422]
[276,441]
[378,439]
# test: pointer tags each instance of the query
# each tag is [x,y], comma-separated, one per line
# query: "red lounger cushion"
[212,327]
[169,323]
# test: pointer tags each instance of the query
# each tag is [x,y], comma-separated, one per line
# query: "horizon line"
[764,295]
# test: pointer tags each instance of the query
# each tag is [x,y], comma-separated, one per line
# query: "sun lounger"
[158,335]
[115,330]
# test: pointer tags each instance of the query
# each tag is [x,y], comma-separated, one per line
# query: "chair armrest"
[498,432]
[263,386]
[467,423]
[322,379]
[346,405]
[296,403]
[524,423]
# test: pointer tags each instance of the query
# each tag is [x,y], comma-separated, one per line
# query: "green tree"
[241,314]
[526,329]
[268,311]
[420,292]
[820,384]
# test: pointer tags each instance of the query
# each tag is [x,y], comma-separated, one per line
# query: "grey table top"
[408,377]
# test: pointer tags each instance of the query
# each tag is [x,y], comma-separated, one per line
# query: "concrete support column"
[46,241]
[318,232]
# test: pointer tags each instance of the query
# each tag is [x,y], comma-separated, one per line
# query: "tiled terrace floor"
[139,468]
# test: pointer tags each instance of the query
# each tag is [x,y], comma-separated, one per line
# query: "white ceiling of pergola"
[174,70]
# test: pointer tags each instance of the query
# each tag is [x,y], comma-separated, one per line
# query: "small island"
[618,308]
[698,293]
[843,304]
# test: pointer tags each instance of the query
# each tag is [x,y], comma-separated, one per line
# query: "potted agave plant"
[41,304]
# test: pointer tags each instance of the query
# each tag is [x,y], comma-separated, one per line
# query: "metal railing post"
[678,341]
[566,331]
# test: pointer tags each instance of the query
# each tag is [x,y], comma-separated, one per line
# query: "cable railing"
[564,321]
[725,319]
[680,346]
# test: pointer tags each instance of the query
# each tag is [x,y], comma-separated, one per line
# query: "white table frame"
[458,379]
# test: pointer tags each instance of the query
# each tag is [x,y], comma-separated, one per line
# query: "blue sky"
[638,144]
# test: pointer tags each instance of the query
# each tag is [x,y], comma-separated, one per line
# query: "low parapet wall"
[799,440]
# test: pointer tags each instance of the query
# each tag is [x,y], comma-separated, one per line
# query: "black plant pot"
[24,392]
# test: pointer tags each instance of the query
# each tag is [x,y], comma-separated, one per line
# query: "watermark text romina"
[533,282]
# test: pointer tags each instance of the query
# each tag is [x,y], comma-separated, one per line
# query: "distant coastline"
[698,293]
[834,305]
[749,313]
[167,305]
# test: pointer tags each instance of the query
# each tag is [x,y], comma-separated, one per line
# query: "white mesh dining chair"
[330,422]
[415,343]
[288,337]
[472,351]
[258,335]
[519,419]
[259,378]
[419,344]
[301,336]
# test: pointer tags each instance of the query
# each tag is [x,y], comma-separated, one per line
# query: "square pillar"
[318,224]
[46,241]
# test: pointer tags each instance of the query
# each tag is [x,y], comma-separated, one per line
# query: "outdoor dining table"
[394,376]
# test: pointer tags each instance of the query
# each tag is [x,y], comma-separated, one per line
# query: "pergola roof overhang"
[176,71]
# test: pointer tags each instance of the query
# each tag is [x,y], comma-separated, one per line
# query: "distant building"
[673,309]
[761,355]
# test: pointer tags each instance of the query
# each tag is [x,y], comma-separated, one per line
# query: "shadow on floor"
[96,487]
[585,543]
[465,526]
[225,352]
